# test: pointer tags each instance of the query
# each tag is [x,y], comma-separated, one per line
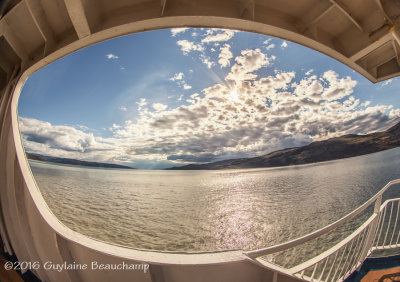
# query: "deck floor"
[383,275]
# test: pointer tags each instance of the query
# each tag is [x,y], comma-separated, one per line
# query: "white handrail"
[352,250]
[290,244]
[332,250]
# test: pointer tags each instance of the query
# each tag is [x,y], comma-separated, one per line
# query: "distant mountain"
[42,158]
[331,149]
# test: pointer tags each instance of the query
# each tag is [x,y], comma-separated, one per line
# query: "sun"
[234,95]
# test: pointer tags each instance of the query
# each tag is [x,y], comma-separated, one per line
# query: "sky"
[178,96]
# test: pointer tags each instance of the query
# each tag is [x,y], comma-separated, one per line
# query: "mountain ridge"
[43,158]
[346,146]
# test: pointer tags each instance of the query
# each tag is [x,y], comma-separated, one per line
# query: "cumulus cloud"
[247,64]
[387,82]
[225,56]
[83,127]
[66,138]
[207,61]
[269,47]
[112,57]
[177,76]
[250,117]
[214,36]
[246,113]
[187,87]
[256,116]
[175,31]
[309,72]
[141,103]
[123,108]
[223,35]
[284,44]
[159,107]
[188,46]
[338,87]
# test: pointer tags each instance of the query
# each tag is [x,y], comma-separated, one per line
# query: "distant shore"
[331,149]
[75,162]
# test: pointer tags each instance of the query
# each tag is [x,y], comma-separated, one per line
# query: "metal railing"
[380,231]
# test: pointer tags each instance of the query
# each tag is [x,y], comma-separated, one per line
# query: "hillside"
[43,158]
[330,149]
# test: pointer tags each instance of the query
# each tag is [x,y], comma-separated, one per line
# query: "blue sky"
[176,96]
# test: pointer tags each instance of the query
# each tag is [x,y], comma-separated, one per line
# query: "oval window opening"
[196,139]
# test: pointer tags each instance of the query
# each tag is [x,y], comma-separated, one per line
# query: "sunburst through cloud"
[206,95]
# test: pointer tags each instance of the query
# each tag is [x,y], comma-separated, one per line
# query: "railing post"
[275,277]
[372,230]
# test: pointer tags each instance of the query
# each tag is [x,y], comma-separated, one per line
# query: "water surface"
[212,210]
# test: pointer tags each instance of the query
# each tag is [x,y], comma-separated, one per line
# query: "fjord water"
[212,210]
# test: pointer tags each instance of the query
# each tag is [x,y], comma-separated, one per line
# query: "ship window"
[198,139]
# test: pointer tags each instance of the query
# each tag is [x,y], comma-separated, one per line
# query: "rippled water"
[212,210]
